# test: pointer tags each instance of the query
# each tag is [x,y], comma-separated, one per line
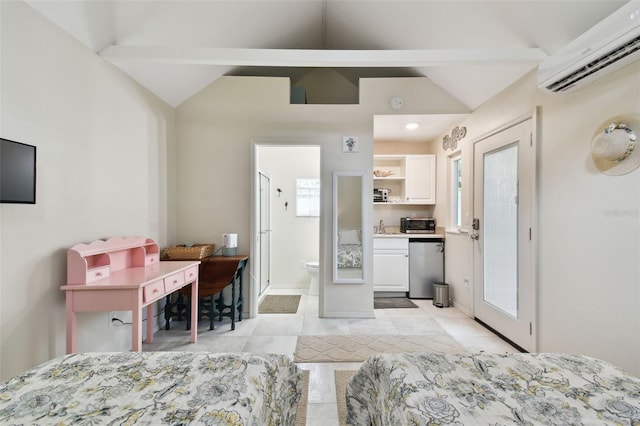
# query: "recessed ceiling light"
[411,126]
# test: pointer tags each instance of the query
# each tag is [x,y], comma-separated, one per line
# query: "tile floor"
[277,333]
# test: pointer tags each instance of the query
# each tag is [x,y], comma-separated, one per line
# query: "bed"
[349,249]
[349,256]
[479,389]
[155,388]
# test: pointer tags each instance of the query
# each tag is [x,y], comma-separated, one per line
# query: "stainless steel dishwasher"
[426,266]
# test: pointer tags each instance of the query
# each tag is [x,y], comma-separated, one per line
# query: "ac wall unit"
[609,45]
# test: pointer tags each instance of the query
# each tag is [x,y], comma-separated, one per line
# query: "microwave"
[418,225]
[380,195]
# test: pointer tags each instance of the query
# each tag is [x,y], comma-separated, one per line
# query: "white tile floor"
[277,333]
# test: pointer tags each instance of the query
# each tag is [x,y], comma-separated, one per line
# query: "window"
[456,192]
[307,197]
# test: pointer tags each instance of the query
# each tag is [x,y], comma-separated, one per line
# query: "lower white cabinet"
[391,264]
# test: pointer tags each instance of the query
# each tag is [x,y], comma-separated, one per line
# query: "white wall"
[102,170]
[295,240]
[588,231]
[215,128]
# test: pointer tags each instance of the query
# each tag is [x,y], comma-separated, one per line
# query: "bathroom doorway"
[286,220]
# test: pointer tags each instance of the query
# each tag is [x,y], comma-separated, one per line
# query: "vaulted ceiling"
[473,49]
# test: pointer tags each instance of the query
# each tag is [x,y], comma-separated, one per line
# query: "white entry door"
[504,167]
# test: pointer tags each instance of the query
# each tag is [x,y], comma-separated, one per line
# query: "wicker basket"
[194,252]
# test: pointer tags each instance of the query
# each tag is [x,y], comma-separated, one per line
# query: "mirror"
[348,220]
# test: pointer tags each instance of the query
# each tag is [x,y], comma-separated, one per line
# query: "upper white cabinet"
[420,183]
[410,178]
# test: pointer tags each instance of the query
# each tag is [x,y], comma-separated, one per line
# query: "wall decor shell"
[451,142]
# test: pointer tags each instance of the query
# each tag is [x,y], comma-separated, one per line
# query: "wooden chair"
[215,274]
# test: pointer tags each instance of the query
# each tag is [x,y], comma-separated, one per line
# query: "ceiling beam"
[319,57]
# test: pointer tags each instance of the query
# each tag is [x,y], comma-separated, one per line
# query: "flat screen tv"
[17,172]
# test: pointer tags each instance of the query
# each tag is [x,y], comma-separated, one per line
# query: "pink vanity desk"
[124,274]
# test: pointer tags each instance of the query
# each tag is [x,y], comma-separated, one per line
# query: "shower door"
[265,232]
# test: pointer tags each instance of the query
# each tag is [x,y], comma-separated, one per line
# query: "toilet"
[312,269]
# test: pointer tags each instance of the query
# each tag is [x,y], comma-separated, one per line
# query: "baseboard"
[497,333]
[300,286]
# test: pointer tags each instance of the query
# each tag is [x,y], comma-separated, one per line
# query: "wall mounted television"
[17,172]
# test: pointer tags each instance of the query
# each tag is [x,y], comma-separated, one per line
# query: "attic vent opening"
[298,95]
[596,65]
[326,86]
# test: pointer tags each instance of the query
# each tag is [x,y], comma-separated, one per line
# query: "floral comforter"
[476,389]
[349,255]
[154,388]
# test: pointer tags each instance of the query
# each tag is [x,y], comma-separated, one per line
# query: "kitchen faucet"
[381,227]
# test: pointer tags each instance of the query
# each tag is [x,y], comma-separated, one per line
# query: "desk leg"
[136,329]
[167,312]
[194,311]
[71,323]
[240,298]
[136,334]
[150,311]
[233,303]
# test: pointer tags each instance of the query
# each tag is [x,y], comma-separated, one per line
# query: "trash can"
[441,295]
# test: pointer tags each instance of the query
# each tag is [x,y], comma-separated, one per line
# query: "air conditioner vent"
[596,65]
[608,46]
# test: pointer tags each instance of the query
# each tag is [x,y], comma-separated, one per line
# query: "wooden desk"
[124,274]
[218,269]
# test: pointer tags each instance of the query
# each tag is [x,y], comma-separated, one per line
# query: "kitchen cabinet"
[420,181]
[410,178]
[391,264]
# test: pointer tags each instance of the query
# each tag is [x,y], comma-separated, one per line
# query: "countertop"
[394,232]
[403,235]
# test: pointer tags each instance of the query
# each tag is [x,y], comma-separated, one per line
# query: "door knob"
[476,226]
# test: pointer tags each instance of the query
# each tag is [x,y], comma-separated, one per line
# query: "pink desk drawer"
[190,274]
[151,259]
[174,282]
[153,291]
[97,274]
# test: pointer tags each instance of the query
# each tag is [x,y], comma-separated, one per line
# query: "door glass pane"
[501,229]
[456,192]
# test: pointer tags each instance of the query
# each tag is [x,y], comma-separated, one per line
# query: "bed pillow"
[349,236]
